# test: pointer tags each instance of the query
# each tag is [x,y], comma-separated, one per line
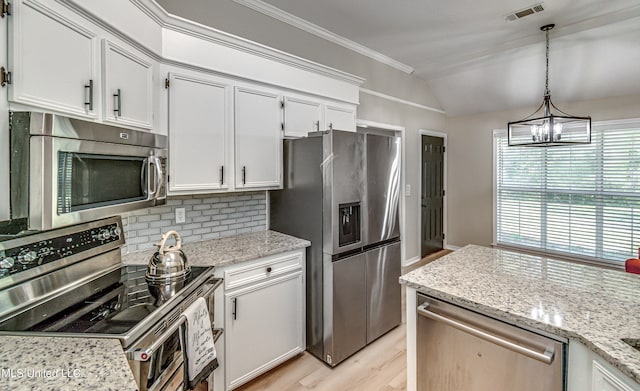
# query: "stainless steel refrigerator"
[341,192]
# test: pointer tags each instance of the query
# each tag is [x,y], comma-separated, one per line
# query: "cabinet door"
[258,139]
[264,327]
[200,115]
[340,118]
[603,380]
[53,61]
[300,117]
[128,87]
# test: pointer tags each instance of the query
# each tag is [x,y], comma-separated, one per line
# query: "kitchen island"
[589,306]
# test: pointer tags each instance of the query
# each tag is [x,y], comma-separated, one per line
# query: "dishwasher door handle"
[546,357]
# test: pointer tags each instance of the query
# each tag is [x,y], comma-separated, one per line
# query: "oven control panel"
[40,251]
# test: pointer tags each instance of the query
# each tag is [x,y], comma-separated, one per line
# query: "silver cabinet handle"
[546,357]
[331,126]
[90,102]
[118,103]
[244,175]
[318,126]
[221,175]
[145,354]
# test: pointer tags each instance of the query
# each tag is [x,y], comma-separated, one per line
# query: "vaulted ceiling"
[474,60]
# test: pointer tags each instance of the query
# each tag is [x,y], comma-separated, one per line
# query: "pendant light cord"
[546,86]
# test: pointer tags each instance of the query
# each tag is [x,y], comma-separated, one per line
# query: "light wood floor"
[381,366]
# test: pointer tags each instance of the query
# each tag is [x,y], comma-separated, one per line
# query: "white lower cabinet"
[589,372]
[604,380]
[264,315]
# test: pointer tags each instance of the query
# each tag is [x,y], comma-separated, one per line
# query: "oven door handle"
[216,333]
[144,354]
[215,283]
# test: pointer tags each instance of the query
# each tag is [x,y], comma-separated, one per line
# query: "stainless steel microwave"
[66,171]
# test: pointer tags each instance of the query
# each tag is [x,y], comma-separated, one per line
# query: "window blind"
[581,200]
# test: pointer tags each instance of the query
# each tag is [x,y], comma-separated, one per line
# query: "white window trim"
[535,251]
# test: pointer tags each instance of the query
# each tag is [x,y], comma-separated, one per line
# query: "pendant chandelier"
[543,128]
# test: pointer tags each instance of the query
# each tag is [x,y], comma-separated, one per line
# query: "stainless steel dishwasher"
[460,350]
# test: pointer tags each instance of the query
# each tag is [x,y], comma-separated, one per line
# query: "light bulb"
[557,131]
[557,128]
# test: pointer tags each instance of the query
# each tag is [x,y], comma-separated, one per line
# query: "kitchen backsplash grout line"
[206,217]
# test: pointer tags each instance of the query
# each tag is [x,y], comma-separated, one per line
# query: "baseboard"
[411,261]
[452,247]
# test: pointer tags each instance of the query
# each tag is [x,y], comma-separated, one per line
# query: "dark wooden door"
[432,196]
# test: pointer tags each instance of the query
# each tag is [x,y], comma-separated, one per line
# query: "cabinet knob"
[269,269]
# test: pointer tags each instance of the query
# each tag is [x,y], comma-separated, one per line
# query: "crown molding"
[400,100]
[302,24]
[173,22]
[198,30]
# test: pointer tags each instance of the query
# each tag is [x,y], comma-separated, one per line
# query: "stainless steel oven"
[70,282]
[66,171]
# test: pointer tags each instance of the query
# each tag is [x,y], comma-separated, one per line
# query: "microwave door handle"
[151,192]
[158,178]
[152,160]
[143,177]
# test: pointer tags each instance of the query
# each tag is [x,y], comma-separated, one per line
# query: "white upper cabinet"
[200,134]
[258,140]
[301,117]
[54,61]
[340,118]
[128,87]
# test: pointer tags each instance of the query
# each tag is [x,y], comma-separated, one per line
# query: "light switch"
[180,215]
[407,190]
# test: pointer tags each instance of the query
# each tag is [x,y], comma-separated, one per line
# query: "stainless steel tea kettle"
[167,269]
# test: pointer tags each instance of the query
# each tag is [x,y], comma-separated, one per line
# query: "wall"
[208,216]
[236,19]
[233,18]
[470,162]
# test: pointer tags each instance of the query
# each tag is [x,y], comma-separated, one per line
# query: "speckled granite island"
[53,363]
[229,250]
[590,305]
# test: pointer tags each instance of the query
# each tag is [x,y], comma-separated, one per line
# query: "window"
[581,200]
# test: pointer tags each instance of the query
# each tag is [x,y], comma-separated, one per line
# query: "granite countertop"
[593,305]
[56,363]
[229,250]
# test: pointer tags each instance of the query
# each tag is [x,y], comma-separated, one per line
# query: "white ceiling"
[475,61]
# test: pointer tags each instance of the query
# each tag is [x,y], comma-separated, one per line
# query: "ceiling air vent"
[533,9]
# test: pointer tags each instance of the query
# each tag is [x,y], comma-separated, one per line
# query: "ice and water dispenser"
[349,223]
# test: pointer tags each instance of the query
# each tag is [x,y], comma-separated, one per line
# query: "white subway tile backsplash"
[207,217]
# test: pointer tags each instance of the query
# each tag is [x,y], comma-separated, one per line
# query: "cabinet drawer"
[261,270]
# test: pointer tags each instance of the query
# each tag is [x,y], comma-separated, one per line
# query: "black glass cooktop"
[113,310]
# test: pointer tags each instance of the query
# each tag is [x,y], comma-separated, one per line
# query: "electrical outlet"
[407,190]
[180,215]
